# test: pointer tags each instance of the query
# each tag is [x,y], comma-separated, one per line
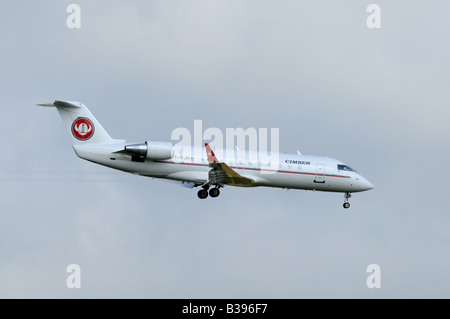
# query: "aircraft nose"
[365,184]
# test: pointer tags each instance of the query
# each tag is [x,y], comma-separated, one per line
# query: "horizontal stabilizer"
[68,104]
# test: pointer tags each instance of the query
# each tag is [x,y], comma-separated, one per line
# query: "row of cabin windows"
[339,167]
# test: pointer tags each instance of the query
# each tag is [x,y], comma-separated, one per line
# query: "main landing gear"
[213,192]
[346,197]
[202,194]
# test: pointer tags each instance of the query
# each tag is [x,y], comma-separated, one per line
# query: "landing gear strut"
[346,197]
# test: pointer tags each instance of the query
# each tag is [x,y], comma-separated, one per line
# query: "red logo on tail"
[82,128]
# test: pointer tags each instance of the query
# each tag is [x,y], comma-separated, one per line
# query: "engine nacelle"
[155,151]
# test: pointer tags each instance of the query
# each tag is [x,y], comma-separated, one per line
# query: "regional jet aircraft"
[205,170]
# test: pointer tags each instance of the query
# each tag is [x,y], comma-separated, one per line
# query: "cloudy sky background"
[377,99]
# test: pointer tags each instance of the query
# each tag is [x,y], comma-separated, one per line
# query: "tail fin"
[83,127]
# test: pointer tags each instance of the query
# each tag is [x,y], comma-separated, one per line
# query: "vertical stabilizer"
[83,127]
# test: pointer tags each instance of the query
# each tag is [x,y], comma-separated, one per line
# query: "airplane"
[166,161]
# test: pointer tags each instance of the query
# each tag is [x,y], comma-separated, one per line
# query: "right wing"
[222,174]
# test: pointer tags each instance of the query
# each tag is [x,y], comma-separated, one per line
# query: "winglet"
[210,154]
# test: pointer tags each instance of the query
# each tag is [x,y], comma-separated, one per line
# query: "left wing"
[221,173]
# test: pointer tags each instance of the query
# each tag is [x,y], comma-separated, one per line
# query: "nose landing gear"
[346,197]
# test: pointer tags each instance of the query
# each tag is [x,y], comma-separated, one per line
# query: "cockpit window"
[345,168]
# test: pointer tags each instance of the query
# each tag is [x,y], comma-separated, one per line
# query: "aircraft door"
[320,173]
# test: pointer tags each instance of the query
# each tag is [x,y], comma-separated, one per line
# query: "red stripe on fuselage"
[256,169]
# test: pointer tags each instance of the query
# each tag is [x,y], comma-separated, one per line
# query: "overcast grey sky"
[377,99]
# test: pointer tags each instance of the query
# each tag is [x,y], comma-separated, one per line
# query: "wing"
[221,173]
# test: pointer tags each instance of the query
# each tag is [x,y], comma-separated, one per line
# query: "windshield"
[345,168]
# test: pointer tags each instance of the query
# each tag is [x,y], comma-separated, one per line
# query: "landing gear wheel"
[346,197]
[202,194]
[214,192]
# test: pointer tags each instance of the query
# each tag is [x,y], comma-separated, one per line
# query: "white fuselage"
[288,171]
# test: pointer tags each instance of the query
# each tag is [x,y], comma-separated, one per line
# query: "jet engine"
[155,151]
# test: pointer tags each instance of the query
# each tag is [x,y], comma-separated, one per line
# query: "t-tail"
[83,127]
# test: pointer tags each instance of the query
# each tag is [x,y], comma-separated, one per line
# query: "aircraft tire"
[202,194]
[214,192]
